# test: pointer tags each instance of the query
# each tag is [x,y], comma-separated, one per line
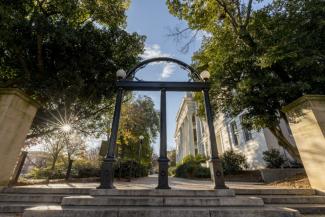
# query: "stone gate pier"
[306,118]
[17,112]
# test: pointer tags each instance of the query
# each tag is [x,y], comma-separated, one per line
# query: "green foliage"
[139,117]
[130,168]
[172,170]
[233,162]
[191,168]
[273,158]
[85,168]
[260,60]
[65,54]
[196,159]
[188,158]
[202,172]
[59,172]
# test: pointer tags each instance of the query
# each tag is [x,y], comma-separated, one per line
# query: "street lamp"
[205,75]
[120,74]
[141,143]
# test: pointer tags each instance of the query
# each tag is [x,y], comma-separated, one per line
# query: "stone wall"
[271,175]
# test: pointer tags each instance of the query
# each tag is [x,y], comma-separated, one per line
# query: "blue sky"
[151,18]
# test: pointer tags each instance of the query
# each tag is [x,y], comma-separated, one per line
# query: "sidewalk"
[151,183]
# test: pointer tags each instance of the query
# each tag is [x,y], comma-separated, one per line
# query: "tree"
[139,117]
[54,147]
[65,55]
[260,60]
[75,147]
[212,15]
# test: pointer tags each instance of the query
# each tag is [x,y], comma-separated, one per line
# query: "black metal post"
[163,160]
[215,162]
[107,170]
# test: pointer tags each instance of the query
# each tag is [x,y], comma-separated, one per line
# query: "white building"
[191,135]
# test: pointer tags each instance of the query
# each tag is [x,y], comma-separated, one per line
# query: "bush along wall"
[233,162]
[88,169]
[273,158]
[131,168]
[191,168]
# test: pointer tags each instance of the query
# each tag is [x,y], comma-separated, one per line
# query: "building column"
[191,144]
[199,136]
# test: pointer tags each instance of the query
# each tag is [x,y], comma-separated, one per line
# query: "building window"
[247,133]
[234,133]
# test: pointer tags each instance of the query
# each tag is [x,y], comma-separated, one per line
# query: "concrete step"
[164,193]
[315,209]
[275,192]
[15,207]
[312,215]
[55,211]
[284,199]
[32,190]
[162,201]
[32,198]
[11,215]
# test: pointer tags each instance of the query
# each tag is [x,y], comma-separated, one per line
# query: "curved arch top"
[194,75]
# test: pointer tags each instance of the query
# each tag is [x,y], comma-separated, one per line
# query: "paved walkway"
[151,182]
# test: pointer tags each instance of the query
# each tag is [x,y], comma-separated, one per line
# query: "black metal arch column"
[107,170]
[163,160]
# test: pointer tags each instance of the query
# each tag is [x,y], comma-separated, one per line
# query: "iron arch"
[194,75]
[198,84]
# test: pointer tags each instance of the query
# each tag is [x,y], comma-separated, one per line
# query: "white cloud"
[153,51]
[168,70]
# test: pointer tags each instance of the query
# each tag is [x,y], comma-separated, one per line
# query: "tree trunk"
[52,169]
[283,142]
[67,176]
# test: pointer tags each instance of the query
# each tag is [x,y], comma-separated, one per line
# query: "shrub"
[127,168]
[188,159]
[202,172]
[273,158]
[85,169]
[233,162]
[191,168]
[59,172]
[172,171]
